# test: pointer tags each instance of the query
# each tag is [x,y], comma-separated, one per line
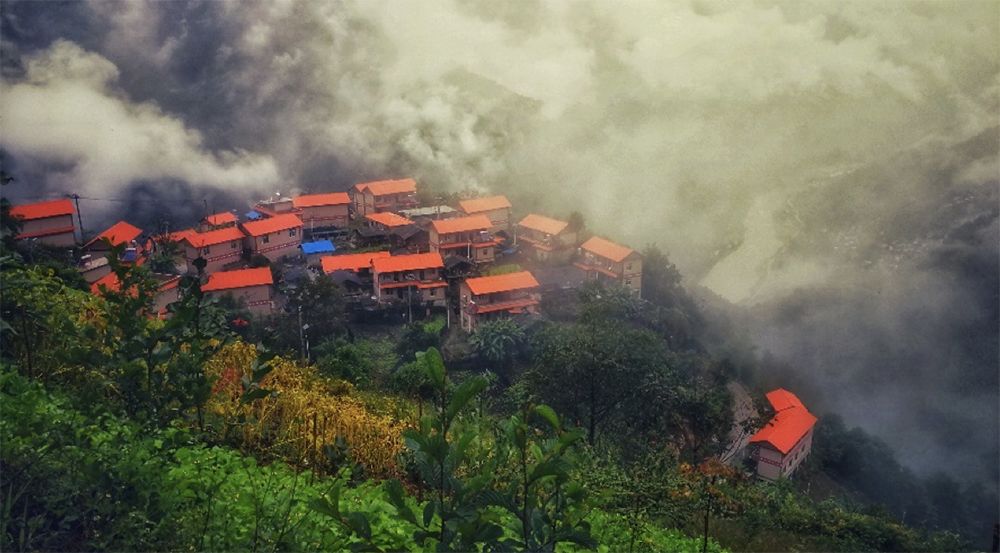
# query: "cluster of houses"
[390,250]
[393,252]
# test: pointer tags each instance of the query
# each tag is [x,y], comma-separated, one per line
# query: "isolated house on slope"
[608,261]
[51,223]
[786,440]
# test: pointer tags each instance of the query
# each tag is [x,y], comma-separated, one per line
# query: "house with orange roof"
[351,271]
[414,279]
[545,238]
[219,220]
[497,208]
[384,195]
[274,237]
[607,261]
[468,237]
[120,233]
[786,440]
[250,287]
[50,223]
[326,210]
[492,297]
[219,248]
[167,290]
[386,221]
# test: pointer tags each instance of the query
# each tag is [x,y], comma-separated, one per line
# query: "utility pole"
[79,218]
[302,337]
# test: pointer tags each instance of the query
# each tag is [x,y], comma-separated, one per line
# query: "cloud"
[67,111]
[831,166]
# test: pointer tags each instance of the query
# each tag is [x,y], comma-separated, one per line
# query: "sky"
[829,169]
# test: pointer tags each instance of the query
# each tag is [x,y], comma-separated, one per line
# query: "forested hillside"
[596,429]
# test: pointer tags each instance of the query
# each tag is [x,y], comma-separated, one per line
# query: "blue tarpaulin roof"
[252,215]
[320,246]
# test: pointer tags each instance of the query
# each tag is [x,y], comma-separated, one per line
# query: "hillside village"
[472,262]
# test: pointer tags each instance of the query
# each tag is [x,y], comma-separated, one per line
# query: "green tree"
[498,341]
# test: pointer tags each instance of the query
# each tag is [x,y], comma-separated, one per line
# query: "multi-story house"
[605,260]
[545,238]
[497,208]
[167,291]
[468,237]
[251,287]
[50,223]
[786,440]
[217,220]
[386,195]
[274,237]
[492,297]
[219,248]
[352,271]
[414,279]
[323,210]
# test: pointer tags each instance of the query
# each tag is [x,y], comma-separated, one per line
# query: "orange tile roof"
[229,280]
[119,233]
[501,283]
[223,218]
[479,205]
[411,262]
[383,187]
[607,249]
[789,424]
[318,200]
[462,224]
[350,262]
[272,224]
[109,281]
[180,235]
[42,210]
[543,224]
[212,237]
[389,219]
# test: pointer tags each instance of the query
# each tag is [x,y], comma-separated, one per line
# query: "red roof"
[223,218]
[479,205]
[350,262]
[543,224]
[119,233]
[501,283]
[607,249]
[462,224]
[180,235]
[318,200]
[389,219]
[277,223]
[229,280]
[109,281]
[412,262]
[384,187]
[42,210]
[212,237]
[789,424]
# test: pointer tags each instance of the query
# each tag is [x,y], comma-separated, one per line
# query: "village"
[472,262]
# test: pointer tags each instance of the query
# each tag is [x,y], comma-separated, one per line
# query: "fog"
[830,168]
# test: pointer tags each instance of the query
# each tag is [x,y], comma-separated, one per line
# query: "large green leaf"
[463,394]
[549,415]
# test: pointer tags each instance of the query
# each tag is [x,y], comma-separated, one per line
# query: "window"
[628,267]
[266,238]
[206,250]
[433,292]
[232,245]
[291,232]
[628,283]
